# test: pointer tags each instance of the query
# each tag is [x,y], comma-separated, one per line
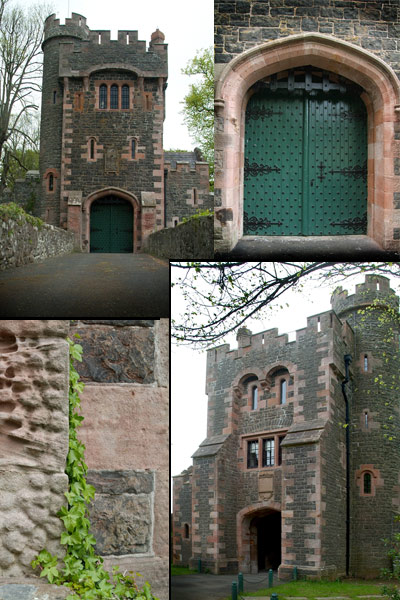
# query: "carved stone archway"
[131,198]
[381,97]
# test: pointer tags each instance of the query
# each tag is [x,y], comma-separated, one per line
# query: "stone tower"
[287,476]
[101,161]
[374,417]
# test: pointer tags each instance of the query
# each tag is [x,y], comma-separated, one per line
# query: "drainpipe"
[347,361]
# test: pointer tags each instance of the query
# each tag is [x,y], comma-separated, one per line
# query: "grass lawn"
[181,570]
[313,589]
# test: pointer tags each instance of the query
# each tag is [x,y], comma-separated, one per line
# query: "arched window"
[125,96]
[367,484]
[51,182]
[283,391]
[254,397]
[114,96]
[103,96]
[186,533]
[91,152]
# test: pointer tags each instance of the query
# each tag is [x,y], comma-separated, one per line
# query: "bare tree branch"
[220,297]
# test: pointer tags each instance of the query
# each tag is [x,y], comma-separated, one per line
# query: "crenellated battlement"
[263,340]
[375,287]
[76,27]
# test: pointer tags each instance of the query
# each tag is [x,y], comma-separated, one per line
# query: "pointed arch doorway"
[305,157]
[381,96]
[259,538]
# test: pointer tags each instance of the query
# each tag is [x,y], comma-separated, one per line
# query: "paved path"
[213,587]
[319,247]
[87,285]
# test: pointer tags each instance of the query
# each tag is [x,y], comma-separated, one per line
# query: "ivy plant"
[80,568]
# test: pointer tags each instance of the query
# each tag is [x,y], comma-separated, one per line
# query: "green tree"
[221,296]
[198,107]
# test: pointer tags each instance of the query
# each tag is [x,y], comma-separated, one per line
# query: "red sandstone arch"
[112,191]
[243,520]
[382,99]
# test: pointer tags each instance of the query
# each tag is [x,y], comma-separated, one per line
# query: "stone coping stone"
[30,589]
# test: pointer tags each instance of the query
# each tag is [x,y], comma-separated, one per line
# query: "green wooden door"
[305,170]
[111,225]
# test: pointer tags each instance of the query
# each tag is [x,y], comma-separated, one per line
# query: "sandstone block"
[119,482]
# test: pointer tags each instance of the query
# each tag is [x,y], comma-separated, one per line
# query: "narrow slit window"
[91,149]
[254,397]
[319,324]
[366,419]
[133,148]
[365,362]
[186,531]
[51,182]
[252,455]
[54,97]
[103,96]
[195,199]
[367,483]
[283,391]
[125,96]
[114,96]
[268,453]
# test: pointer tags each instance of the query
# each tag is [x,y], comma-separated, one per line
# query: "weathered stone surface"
[193,239]
[22,243]
[113,355]
[120,323]
[30,589]
[121,523]
[34,364]
[162,352]
[119,482]
[139,414]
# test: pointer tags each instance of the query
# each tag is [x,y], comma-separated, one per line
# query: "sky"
[187,27]
[188,367]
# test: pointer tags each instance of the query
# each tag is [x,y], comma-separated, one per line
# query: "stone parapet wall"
[34,363]
[193,239]
[22,242]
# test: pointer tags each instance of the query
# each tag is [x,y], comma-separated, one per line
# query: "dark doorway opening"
[268,541]
[111,225]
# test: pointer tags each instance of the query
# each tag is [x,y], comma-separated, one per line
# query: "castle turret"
[372,313]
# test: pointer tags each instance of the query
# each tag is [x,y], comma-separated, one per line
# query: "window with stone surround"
[367,484]
[254,397]
[115,95]
[125,96]
[51,182]
[271,450]
[249,391]
[103,96]
[186,531]
[252,454]
[283,386]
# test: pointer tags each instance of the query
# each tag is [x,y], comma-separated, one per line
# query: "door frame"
[124,195]
[382,100]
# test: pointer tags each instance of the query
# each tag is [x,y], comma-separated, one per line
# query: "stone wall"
[186,185]
[372,25]
[125,404]
[193,239]
[34,365]
[22,242]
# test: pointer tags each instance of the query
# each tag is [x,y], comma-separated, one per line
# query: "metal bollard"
[240,583]
[270,578]
[234,590]
[199,565]
[274,596]
[294,573]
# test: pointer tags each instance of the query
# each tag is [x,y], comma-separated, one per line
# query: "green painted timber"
[305,169]
[111,225]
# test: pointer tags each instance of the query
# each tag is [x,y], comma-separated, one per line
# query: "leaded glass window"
[103,96]
[114,96]
[125,96]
